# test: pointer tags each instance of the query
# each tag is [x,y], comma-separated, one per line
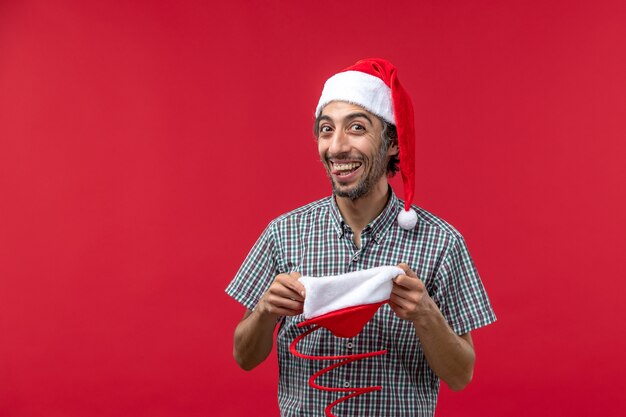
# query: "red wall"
[145,145]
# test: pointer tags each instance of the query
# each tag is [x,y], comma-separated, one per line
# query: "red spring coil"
[345,359]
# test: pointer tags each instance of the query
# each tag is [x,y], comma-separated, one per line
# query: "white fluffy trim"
[368,286]
[357,87]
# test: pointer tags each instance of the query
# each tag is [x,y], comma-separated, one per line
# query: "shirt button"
[355,258]
[349,345]
[346,384]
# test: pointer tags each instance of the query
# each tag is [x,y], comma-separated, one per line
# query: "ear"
[393,150]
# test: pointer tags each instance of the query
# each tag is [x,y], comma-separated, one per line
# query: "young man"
[364,124]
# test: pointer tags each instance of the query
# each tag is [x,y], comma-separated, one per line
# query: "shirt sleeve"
[257,271]
[461,295]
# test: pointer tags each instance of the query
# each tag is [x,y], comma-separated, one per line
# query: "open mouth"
[345,169]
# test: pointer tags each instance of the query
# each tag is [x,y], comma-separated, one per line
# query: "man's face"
[350,147]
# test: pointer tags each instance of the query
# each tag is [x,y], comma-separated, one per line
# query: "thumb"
[407,270]
[299,287]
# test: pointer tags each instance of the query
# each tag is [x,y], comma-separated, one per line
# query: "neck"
[360,212]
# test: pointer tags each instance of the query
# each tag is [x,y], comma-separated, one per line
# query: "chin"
[353,193]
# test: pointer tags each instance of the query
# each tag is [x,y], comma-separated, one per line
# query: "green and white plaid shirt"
[315,241]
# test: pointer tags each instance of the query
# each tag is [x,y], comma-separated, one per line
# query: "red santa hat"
[373,84]
[344,303]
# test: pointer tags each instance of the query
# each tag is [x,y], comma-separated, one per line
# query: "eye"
[325,129]
[357,127]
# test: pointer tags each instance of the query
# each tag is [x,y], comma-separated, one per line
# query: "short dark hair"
[388,137]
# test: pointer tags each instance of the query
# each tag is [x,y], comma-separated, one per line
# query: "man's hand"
[285,297]
[449,355]
[409,298]
[255,332]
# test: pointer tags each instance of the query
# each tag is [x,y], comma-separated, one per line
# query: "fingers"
[404,308]
[409,280]
[407,289]
[285,297]
[409,299]
[399,301]
[407,270]
[297,285]
[288,286]
[406,302]
[277,304]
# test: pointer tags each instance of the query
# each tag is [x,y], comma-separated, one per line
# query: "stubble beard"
[366,183]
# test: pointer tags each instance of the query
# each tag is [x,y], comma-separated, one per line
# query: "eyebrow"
[356,115]
[348,118]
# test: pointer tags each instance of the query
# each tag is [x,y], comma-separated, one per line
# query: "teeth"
[346,167]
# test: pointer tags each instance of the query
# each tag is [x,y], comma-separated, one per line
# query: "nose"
[339,143]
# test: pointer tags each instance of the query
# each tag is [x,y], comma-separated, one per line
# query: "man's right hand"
[254,333]
[285,297]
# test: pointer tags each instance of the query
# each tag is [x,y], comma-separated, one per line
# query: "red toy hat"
[343,304]
[373,84]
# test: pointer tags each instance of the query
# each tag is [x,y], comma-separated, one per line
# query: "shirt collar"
[336,218]
[377,227]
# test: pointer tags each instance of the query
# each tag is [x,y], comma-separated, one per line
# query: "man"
[364,124]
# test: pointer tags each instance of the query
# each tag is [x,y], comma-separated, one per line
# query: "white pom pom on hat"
[373,84]
[407,219]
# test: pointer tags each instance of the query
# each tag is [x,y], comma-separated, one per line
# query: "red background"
[145,145]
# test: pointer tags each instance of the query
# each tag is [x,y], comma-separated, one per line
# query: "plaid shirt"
[315,241]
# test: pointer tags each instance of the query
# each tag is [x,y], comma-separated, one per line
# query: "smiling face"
[350,146]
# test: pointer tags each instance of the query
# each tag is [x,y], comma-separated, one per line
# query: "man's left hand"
[409,298]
